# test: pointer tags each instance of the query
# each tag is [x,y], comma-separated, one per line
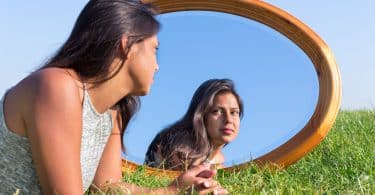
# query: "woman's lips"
[227,131]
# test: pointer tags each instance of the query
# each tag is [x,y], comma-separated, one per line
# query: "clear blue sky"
[349,28]
[279,95]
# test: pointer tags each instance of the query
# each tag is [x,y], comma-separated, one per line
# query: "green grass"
[344,163]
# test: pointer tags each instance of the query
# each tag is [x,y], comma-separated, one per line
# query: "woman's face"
[143,64]
[223,119]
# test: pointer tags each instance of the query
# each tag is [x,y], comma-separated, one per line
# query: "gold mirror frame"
[316,49]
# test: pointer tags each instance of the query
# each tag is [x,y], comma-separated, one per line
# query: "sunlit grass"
[344,163]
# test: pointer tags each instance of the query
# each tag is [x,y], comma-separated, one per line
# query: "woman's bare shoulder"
[49,82]
[55,78]
[51,87]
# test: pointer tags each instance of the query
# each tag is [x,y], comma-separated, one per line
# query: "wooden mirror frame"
[316,49]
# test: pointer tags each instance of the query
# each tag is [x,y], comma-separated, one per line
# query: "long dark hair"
[96,38]
[187,139]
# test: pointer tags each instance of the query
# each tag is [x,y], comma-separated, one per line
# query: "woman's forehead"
[226,99]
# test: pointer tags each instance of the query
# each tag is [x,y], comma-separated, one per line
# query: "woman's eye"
[236,112]
[216,111]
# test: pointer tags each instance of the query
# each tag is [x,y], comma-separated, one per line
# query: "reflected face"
[223,120]
[142,64]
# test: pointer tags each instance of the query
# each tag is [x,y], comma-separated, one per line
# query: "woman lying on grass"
[62,126]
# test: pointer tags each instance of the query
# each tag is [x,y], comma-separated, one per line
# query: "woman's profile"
[211,121]
[61,127]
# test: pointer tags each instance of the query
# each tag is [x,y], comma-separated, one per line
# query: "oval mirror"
[284,73]
[275,79]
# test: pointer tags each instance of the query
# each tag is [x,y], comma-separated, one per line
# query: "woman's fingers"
[202,171]
[215,191]
[206,186]
[199,178]
[206,183]
[207,173]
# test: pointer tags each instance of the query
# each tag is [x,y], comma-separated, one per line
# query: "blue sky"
[348,28]
[279,96]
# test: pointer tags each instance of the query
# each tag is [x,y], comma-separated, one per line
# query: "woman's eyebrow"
[219,106]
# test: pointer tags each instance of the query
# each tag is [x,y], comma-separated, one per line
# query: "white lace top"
[17,169]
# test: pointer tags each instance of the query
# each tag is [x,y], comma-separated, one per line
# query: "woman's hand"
[199,179]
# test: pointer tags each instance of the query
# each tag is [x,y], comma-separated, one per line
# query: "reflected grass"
[344,163]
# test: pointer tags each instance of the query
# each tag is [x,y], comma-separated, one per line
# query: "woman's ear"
[123,45]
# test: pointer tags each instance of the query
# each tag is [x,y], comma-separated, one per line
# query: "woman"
[62,126]
[211,122]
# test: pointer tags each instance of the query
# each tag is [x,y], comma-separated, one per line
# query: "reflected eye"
[235,113]
[216,111]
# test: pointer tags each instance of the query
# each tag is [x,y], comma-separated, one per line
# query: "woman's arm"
[53,122]
[109,176]
[109,169]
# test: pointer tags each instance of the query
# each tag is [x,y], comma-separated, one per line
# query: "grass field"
[344,163]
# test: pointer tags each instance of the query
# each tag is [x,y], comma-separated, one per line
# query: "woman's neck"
[105,95]
[217,155]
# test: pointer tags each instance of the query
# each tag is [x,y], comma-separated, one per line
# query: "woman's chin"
[141,92]
[221,143]
[227,140]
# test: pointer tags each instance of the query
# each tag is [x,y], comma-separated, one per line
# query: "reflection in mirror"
[275,79]
[210,123]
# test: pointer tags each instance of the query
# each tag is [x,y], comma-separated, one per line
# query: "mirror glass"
[274,77]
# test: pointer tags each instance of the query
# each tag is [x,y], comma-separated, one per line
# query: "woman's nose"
[228,117]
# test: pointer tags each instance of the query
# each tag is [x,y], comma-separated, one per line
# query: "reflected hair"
[186,141]
[96,38]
